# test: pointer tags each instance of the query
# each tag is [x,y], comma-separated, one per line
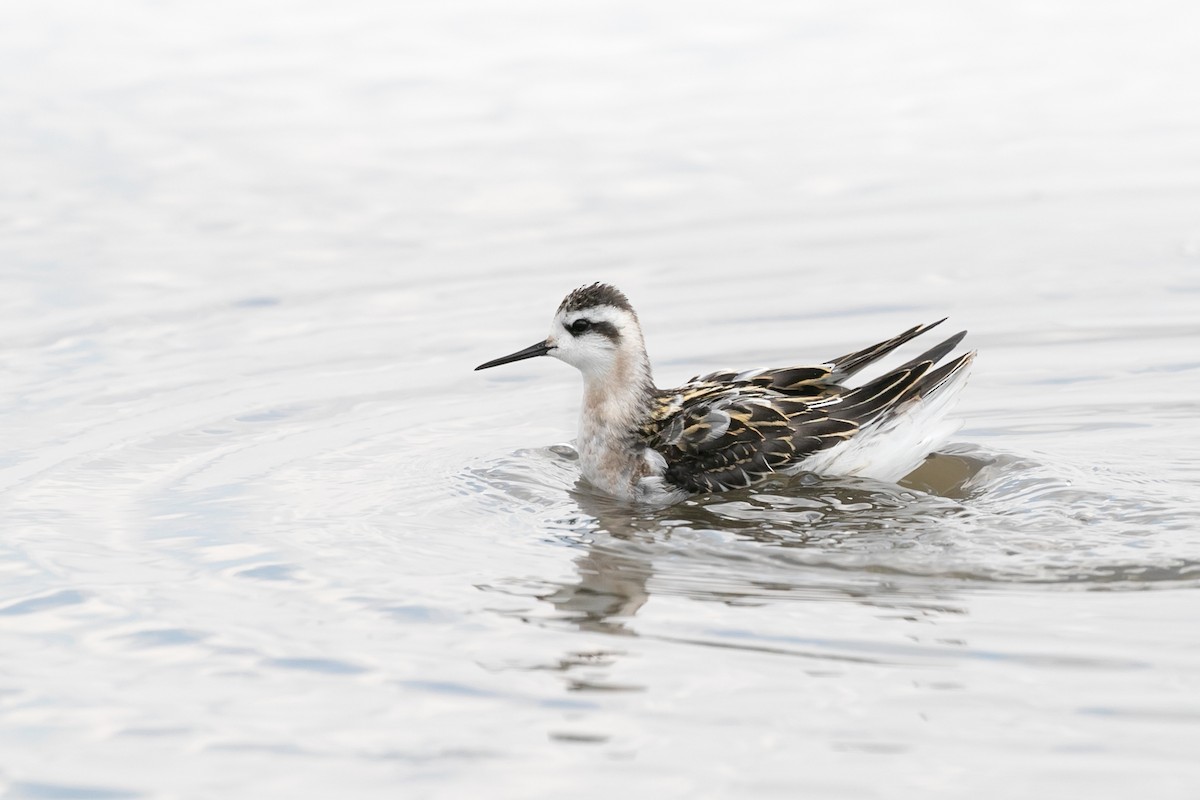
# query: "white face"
[602,341]
[593,339]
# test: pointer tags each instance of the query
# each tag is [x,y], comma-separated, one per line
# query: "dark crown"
[598,294]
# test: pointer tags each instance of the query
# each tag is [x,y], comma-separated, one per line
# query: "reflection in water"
[830,577]
[968,518]
[730,548]
[698,550]
[611,588]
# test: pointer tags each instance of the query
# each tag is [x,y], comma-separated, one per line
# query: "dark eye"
[579,326]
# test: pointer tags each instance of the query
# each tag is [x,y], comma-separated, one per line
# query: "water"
[266,534]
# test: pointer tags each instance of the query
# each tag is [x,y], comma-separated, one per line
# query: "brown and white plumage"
[729,430]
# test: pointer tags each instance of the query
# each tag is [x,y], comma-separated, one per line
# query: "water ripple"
[971,516]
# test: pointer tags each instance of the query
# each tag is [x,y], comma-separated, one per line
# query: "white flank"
[897,444]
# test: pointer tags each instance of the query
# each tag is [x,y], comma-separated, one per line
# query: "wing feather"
[728,430]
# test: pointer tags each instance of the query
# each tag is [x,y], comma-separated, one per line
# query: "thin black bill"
[539,349]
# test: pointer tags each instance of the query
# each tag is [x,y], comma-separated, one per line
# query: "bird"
[732,429]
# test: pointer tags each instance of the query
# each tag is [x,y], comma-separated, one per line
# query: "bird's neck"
[616,404]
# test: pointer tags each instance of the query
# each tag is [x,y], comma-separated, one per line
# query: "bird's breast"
[606,462]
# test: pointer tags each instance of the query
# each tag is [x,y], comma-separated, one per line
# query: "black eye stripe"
[606,329]
[583,325]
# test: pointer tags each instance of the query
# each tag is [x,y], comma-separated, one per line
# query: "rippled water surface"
[266,534]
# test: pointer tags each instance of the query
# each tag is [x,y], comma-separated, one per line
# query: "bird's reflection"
[909,555]
[615,572]
[610,589]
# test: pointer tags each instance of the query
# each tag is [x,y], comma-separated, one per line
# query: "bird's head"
[595,330]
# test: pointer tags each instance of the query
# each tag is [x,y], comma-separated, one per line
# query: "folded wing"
[728,430]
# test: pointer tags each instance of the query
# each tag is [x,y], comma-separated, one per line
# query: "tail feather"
[902,418]
[847,365]
[869,401]
[932,383]
[936,353]
[913,381]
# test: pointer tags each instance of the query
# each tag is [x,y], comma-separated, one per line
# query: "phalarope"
[728,430]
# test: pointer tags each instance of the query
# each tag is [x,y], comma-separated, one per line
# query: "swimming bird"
[727,429]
